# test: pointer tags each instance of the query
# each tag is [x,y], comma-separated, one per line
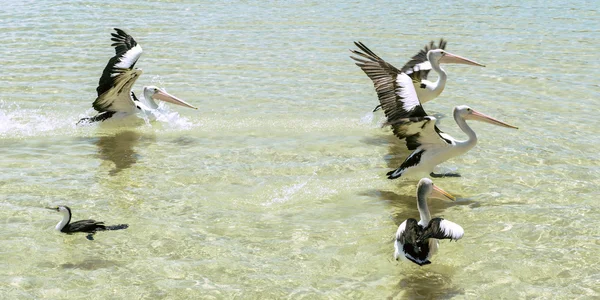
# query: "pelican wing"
[439,228]
[422,136]
[418,66]
[119,75]
[408,231]
[395,90]
[420,131]
[409,243]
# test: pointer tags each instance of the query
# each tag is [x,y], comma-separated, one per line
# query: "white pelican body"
[115,97]
[409,120]
[418,241]
[432,146]
[417,68]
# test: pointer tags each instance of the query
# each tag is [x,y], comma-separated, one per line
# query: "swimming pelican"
[114,88]
[418,241]
[88,226]
[409,121]
[430,57]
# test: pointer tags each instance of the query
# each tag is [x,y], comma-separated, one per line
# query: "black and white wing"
[420,131]
[119,75]
[418,66]
[85,226]
[410,245]
[421,135]
[439,228]
[395,90]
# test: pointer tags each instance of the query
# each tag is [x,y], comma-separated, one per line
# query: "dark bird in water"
[115,97]
[88,226]
[418,241]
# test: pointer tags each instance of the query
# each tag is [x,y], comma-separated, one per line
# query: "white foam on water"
[24,122]
[367,118]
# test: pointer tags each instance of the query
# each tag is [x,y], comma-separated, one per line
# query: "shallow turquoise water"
[275,187]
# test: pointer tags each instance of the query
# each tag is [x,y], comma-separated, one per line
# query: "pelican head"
[153,92]
[468,113]
[440,56]
[426,189]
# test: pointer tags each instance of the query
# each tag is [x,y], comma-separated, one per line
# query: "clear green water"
[275,187]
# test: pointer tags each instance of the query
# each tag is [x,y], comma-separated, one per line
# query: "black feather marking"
[439,132]
[412,142]
[122,42]
[412,160]
[97,118]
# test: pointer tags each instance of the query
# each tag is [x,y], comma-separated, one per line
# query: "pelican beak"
[475,115]
[164,96]
[52,208]
[450,58]
[441,194]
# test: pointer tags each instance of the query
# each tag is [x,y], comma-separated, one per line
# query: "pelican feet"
[434,175]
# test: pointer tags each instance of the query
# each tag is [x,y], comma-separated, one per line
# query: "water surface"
[276,187]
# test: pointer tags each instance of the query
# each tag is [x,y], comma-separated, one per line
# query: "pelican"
[409,121]
[430,57]
[418,241]
[114,88]
[88,226]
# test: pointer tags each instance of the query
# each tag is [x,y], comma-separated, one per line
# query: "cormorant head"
[60,208]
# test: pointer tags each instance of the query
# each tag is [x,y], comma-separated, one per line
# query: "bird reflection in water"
[118,149]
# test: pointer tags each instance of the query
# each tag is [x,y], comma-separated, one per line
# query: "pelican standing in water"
[418,241]
[430,57]
[88,226]
[409,121]
[115,97]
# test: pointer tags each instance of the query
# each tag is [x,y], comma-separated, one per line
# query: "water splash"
[367,118]
[24,122]
[170,118]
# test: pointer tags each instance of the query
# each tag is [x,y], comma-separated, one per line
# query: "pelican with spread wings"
[115,97]
[410,122]
[418,67]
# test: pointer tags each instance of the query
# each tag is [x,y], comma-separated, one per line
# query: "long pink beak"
[450,58]
[441,194]
[485,118]
[164,96]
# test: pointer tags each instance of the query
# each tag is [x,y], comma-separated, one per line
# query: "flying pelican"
[409,121]
[114,88]
[430,57]
[87,226]
[418,241]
